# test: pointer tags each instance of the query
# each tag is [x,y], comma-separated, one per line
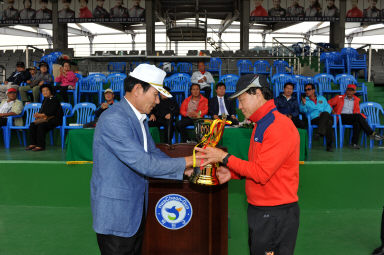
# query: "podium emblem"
[173,211]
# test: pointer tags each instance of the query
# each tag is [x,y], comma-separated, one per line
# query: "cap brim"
[162,90]
[237,94]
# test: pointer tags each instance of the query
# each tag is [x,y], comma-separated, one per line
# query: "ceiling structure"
[228,11]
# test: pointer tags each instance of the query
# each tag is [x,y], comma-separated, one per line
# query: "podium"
[206,233]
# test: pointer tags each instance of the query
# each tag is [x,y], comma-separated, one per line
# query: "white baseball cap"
[152,75]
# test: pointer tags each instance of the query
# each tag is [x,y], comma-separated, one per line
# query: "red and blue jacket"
[272,169]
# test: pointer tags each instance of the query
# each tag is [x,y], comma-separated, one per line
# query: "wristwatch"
[225,159]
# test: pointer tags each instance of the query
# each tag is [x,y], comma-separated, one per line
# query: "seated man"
[164,114]
[14,81]
[288,105]
[220,105]
[109,97]
[41,77]
[319,111]
[193,107]
[348,107]
[11,107]
[203,78]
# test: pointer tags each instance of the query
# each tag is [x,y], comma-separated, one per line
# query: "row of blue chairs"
[262,67]
[345,61]
[83,113]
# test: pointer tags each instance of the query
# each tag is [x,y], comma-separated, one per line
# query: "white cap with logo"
[152,75]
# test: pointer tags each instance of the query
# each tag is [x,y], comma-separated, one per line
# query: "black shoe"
[355,146]
[329,148]
[378,251]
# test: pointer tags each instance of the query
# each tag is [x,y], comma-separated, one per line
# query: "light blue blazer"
[121,167]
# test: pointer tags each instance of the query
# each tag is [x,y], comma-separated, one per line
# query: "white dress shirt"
[223,102]
[141,117]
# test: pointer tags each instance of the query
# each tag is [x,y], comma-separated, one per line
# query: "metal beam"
[325,30]
[20,32]
[71,30]
[360,32]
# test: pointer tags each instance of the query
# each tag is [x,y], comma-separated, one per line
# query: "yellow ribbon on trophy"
[206,139]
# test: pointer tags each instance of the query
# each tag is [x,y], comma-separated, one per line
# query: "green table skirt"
[236,140]
[79,143]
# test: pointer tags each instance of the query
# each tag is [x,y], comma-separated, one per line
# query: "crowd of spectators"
[166,114]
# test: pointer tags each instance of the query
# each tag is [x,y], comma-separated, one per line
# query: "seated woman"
[67,80]
[49,117]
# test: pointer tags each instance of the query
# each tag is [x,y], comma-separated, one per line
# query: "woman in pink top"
[67,80]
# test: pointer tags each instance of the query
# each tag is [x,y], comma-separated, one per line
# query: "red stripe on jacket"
[272,169]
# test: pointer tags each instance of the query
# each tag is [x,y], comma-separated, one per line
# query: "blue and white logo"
[173,211]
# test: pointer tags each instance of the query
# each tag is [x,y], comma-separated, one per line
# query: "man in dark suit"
[219,105]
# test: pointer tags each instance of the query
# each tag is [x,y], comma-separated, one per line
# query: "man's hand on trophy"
[211,155]
[188,172]
[223,174]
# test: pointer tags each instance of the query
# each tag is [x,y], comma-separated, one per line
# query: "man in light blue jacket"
[319,112]
[125,155]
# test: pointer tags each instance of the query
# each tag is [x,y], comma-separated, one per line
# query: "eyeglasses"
[308,89]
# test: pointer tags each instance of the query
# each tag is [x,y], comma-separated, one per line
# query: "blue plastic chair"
[27,113]
[345,79]
[324,81]
[134,64]
[67,110]
[179,83]
[244,66]
[279,80]
[230,81]
[93,84]
[282,67]
[374,112]
[214,66]
[116,81]
[333,62]
[356,63]
[84,113]
[184,67]
[311,127]
[262,67]
[117,67]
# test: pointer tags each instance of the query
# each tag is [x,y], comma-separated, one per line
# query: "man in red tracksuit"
[271,172]
[347,106]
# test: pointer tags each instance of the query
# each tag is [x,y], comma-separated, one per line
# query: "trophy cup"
[208,133]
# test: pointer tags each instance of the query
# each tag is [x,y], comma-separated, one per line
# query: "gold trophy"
[208,133]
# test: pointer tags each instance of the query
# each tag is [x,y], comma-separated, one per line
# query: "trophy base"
[203,179]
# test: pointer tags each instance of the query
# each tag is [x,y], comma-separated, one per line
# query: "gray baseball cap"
[249,81]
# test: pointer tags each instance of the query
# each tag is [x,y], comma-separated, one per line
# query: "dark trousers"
[273,229]
[181,125]
[299,123]
[38,132]
[3,121]
[116,245]
[358,122]
[324,122]
[168,128]
[63,92]
[207,91]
